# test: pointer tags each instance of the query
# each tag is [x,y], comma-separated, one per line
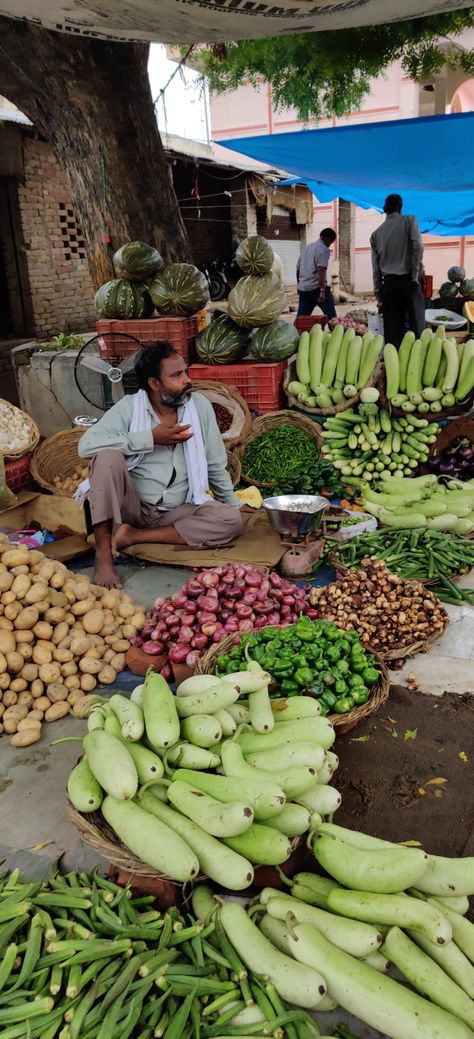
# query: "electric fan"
[104,368]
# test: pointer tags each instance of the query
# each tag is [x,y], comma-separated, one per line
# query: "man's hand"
[168,436]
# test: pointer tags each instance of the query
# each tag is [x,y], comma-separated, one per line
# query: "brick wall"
[62,295]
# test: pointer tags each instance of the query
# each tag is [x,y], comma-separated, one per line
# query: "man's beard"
[175,400]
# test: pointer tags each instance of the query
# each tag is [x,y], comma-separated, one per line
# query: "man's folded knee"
[108,458]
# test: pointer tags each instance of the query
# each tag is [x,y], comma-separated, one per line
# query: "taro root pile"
[389,612]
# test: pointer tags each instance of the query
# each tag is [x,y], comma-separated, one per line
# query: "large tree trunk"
[91,100]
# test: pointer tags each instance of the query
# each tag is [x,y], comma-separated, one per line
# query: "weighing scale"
[300,520]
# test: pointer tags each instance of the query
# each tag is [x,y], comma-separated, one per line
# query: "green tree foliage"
[326,73]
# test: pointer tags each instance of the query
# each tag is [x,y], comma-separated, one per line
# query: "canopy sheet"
[195,21]
[429,161]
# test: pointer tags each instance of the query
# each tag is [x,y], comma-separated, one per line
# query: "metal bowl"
[295,515]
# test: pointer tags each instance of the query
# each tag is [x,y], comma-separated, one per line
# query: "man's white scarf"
[194,452]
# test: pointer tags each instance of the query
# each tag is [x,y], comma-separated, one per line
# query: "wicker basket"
[57,456]
[342,722]
[33,434]
[229,398]
[352,402]
[234,468]
[459,427]
[277,418]
[96,832]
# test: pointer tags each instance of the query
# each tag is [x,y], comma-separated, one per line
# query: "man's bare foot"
[124,536]
[105,575]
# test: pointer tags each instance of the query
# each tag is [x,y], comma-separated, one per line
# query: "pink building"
[249,111]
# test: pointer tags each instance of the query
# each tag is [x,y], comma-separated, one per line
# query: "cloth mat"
[385,778]
[258,544]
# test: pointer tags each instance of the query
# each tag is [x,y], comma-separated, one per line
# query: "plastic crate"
[261,384]
[305,323]
[18,474]
[179,331]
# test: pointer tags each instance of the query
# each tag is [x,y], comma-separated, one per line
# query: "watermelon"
[448,290]
[137,261]
[255,255]
[256,301]
[467,288]
[222,342]
[123,299]
[274,342]
[456,274]
[180,289]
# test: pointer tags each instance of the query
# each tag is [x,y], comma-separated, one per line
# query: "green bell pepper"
[344,705]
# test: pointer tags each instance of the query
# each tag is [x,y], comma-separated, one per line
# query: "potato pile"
[60,637]
[68,484]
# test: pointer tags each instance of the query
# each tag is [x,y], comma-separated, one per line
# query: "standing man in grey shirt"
[397,252]
[311,276]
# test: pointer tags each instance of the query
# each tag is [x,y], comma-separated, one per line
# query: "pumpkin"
[467,288]
[448,290]
[222,342]
[256,301]
[456,274]
[468,312]
[274,342]
[180,289]
[123,299]
[255,255]
[137,261]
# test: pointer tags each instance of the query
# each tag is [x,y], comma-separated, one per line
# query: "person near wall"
[311,276]
[154,457]
[397,252]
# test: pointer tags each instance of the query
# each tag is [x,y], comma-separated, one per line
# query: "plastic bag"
[7,497]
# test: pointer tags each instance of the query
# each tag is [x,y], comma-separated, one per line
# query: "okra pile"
[420,555]
[311,657]
[215,780]
[81,958]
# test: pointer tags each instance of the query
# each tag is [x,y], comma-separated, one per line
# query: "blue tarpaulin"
[429,161]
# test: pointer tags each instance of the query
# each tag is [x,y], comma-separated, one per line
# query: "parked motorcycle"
[216,277]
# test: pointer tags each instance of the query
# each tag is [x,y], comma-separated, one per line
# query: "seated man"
[154,456]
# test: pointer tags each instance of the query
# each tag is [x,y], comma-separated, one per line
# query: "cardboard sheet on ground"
[258,544]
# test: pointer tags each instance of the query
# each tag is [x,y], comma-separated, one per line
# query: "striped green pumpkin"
[274,342]
[222,342]
[180,289]
[123,299]
[256,301]
[137,261]
[255,255]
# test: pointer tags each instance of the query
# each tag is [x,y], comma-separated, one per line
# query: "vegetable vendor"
[155,455]
[311,276]
[397,252]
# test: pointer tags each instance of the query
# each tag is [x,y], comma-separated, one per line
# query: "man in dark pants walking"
[397,252]
[311,275]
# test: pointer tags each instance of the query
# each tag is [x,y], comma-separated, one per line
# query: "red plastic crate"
[180,331]
[260,384]
[305,323]
[18,474]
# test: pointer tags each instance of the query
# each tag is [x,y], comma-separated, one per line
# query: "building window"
[71,234]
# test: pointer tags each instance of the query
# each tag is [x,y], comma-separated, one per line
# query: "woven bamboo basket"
[32,434]
[94,831]
[229,398]
[432,416]
[459,427]
[266,422]
[351,402]
[342,722]
[57,456]
[234,468]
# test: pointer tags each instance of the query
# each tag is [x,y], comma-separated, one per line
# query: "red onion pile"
[215,603]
